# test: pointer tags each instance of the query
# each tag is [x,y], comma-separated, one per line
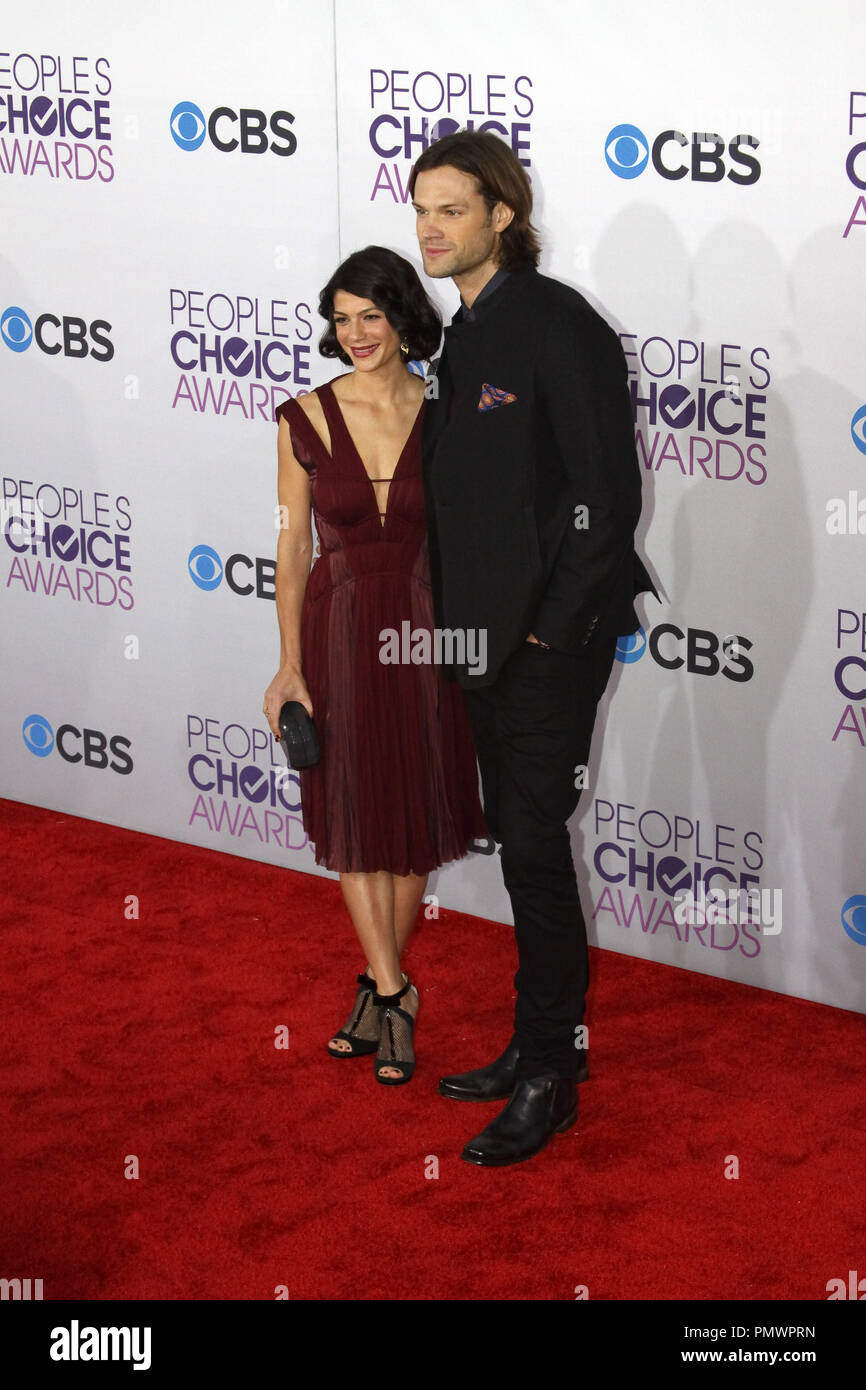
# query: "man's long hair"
[501,178]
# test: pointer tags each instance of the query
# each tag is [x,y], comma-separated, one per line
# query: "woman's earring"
[404,347]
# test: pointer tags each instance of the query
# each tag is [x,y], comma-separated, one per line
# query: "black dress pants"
[533,729]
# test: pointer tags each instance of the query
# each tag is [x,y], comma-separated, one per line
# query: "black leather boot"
[539,1108]
[496,1081]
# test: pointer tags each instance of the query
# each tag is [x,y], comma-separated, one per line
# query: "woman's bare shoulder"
[310,403]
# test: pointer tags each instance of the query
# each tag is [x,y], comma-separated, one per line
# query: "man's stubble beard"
[464,267]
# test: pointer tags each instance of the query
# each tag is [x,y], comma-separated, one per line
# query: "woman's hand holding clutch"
[288,684]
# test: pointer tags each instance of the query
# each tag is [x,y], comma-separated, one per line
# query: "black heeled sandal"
[362,1030]
[396,1031]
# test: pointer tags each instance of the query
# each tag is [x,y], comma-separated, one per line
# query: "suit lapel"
[437,412]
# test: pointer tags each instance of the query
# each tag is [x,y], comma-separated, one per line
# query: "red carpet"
[262,1167]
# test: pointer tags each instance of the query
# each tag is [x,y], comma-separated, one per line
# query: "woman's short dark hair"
[392,283]
[501,178]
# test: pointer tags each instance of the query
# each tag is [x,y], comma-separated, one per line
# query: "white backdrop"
[700,182]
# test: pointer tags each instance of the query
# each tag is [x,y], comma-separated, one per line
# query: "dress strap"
[334,416]
[300,423]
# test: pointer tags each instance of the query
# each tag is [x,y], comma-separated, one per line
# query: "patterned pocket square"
[492,396]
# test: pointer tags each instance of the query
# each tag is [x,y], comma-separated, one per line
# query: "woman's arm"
[294,554]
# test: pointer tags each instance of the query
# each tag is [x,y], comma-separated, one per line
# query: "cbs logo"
[854,918]
[189,126]
[207,571]
[706,654]
[627,153]
[51,334]
[94,747]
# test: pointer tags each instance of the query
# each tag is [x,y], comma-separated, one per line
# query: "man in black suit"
[533,493]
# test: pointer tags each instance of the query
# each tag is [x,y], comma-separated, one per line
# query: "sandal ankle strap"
[391,999]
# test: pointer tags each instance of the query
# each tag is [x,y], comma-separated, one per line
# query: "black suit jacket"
[505,486]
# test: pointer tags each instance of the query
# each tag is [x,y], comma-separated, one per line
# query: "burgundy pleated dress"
[396,786]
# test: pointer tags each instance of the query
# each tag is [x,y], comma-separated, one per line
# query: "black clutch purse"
[299,741]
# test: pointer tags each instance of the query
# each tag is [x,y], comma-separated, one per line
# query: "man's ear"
[503,216]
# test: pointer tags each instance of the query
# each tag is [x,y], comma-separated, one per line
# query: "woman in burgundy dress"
[395,792]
